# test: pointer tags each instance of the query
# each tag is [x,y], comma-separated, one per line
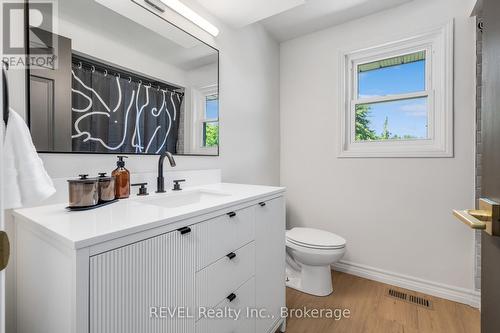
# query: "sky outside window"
[212,107]
[392,120]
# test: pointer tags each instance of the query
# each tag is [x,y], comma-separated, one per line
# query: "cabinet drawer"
[245,299]
[218,280]
[224,234]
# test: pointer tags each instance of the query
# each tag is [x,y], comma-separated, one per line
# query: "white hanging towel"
[26,180]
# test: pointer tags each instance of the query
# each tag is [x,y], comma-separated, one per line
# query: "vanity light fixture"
[192,16]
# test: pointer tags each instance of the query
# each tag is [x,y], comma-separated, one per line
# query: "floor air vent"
[420,301]
[398,294]
[412,299]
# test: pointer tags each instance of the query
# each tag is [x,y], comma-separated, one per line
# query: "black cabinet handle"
[231,297]
[231,255]
[231,214]
[184,230]
[262,204]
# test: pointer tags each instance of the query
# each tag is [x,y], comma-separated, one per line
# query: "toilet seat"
[315,239]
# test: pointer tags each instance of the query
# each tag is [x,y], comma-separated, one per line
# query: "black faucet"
[160,181]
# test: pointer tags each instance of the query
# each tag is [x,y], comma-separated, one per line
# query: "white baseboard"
[470,297]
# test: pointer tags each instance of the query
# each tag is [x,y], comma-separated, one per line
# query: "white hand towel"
[26,180]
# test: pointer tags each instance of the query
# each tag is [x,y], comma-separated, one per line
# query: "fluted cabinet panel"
[127,282]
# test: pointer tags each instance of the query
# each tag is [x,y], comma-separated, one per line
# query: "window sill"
[395,149]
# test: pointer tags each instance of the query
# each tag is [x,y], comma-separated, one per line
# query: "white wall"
[394,213]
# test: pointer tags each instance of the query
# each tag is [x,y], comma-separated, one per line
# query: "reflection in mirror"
[125,81]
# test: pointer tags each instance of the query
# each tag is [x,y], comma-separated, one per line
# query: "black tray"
[100,204]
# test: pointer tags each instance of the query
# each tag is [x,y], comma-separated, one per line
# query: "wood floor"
[374,312]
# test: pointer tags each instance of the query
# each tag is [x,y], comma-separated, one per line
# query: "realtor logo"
[42,35]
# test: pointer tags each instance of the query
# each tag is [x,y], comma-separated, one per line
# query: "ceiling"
[239,13]
[287,19]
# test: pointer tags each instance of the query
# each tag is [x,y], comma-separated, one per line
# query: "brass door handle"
[4,250]
[469,219]
[481,215]
[486,218]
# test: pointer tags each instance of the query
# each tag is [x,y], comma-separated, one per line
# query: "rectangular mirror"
[123,80]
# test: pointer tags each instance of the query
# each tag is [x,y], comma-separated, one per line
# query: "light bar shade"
[192,16]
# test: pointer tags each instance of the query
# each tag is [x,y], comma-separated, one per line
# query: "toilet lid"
[315,238]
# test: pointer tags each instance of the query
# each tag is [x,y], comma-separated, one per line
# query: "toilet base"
[313,280]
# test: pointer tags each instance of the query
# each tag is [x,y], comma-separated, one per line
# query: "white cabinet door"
[127,282]
[270,261]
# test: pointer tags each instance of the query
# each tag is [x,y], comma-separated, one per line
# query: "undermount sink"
[186,198]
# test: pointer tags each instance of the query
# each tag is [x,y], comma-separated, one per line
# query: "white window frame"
[199,107]
[438,45]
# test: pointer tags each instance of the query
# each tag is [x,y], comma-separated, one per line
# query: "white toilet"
[310,252]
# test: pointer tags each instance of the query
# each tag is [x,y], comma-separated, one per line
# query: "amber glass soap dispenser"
[122,179]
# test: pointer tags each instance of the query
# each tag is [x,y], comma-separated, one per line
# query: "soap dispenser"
[122,179]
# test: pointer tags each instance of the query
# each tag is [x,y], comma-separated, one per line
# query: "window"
[211,122]
[397,98]
[202,125]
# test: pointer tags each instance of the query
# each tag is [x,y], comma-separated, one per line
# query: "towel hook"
[105,72]
[80,65]
[93,68]
[158,88]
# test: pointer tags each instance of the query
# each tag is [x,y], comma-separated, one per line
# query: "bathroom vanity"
[162,263]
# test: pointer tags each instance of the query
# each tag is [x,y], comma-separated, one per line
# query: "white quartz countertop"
[86,228]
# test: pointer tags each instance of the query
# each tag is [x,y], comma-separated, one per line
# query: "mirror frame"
[28,88]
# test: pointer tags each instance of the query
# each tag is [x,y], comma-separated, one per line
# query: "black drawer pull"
[231,214]
[231,297]
[231,255]
[184,230]
[262,204]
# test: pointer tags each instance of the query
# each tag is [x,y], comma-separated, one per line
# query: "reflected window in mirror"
[211,122]
[204,128]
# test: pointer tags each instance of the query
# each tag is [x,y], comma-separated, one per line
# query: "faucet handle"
[177,186]
[143,190]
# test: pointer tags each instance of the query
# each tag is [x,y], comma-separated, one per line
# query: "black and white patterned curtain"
[112,114]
